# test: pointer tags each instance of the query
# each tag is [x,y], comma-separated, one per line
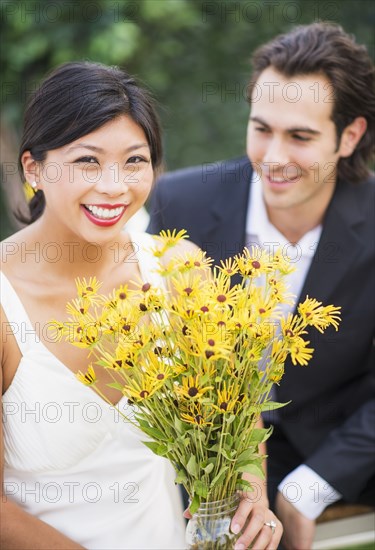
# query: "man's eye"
[87,160]
[301,138]
[261,129]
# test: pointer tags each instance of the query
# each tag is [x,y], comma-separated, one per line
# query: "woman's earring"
[34,185]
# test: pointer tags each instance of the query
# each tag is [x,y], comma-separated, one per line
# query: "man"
[307,189]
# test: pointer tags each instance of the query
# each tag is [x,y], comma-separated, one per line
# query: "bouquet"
[198,359]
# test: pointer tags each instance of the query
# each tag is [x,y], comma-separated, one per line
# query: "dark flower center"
[192,392]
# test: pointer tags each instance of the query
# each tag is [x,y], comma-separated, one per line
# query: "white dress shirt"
[303,487]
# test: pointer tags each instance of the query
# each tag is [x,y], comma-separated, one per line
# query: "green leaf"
[219,477]
[260,435]
[200,488]
[178,425]
[230,419]
[245,485]
[192,466]
[251,468]
[247,455]
[181,476]
[154,433]
[157,448]
[208,469]
[272,405]
[194,505]
[115,385]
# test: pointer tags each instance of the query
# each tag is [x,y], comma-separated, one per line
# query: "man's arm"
[352,447]
[341,466]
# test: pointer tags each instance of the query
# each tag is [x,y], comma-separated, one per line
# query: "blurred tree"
[193,54]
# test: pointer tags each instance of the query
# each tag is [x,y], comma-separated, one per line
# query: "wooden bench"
[345,525]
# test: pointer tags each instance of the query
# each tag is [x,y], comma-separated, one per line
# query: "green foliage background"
[193,55]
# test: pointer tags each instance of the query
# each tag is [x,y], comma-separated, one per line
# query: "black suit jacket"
[330,419]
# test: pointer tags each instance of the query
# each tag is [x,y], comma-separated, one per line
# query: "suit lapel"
[226,224]
[339,244]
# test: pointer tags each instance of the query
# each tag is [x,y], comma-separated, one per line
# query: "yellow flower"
[220,293]
[147,297]
[299,352]
[229,267]
[57,330]
[167,239]
[254,262]
[279,291]
[196,260]
[279,352]
[141,389]
[281,263]
[84,333]
[190,388]
[292,326]
[186,286]
[276,373]
[313,313]
[78,307]
[87,288]
[227,398]
[157,368]
[89,378]
[196,413]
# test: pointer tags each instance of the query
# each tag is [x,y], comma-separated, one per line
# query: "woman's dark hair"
[326,49]
[76,99]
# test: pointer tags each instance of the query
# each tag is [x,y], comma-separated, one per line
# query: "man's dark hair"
[327,49]
[76,99]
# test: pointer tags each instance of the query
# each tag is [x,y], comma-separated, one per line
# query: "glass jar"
[209,528]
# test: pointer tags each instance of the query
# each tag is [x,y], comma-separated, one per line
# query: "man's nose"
[277,154]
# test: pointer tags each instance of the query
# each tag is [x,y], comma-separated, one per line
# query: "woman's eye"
[87,160]
[136,160]
[261,129]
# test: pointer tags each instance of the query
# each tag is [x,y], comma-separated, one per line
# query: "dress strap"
[148,263]
[18,321]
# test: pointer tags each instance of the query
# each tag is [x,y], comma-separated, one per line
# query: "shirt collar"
[259,228]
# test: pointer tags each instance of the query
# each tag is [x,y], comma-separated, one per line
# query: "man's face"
[291,141]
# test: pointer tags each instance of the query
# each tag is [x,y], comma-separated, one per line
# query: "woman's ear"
[351,136]
[31,170]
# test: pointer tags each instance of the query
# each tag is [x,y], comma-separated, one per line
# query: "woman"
[75,474]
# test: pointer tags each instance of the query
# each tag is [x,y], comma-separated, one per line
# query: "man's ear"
[31,169]
[351,136]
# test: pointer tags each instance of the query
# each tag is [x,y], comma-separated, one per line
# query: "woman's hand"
[261,528]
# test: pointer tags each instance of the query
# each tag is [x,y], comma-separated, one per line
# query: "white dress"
[70,458]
